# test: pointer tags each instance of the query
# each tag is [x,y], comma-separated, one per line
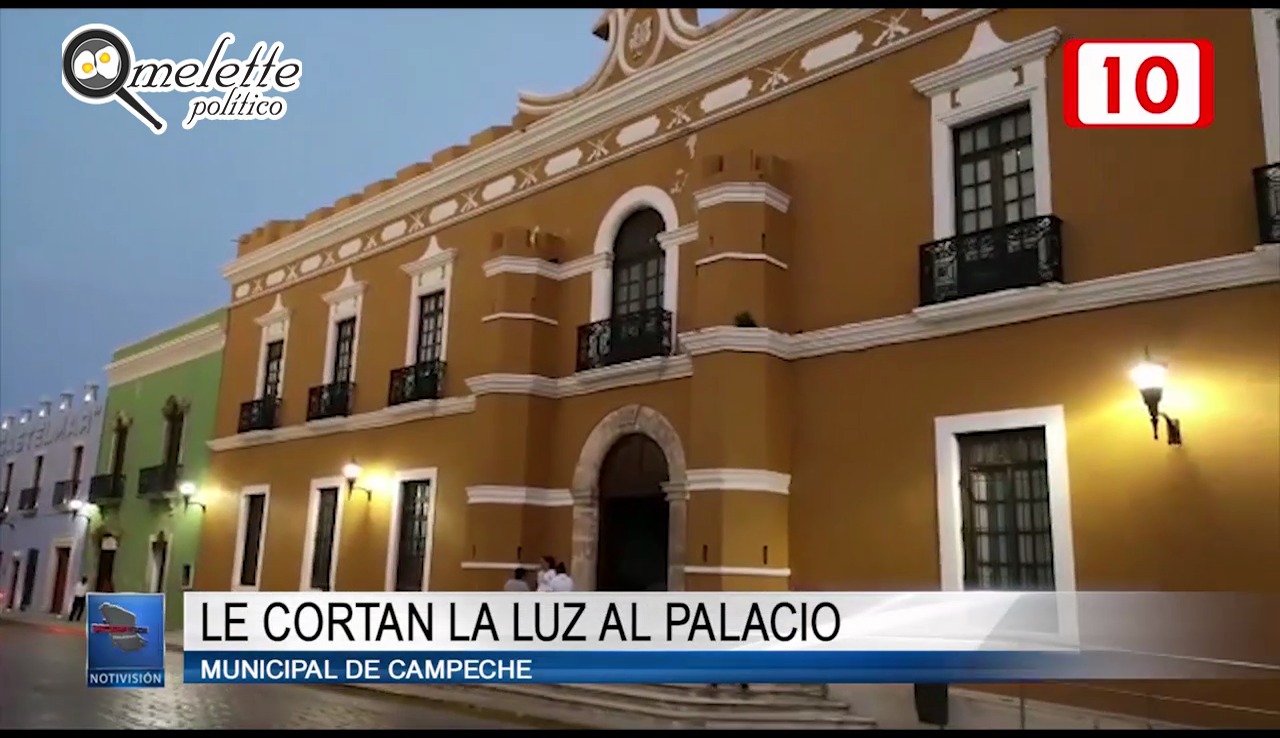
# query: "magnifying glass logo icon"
[96,61]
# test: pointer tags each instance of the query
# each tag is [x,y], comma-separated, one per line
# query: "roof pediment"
[638,39]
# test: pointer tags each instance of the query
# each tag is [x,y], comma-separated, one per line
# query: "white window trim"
[431,272]
[313,520]
[46,604]
[644,196]
[992,76]
[168,561]
[429,474]
[275,327]
[345,301]
[1266,44]
[242,534]
[950,537]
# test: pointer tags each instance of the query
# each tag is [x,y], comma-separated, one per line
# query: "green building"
[145,511]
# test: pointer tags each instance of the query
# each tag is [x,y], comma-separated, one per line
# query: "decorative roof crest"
[638,38]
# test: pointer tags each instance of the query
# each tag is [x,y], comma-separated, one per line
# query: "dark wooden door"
[106,565]
[62,565]
[29,578]
[12,594]
[633,518]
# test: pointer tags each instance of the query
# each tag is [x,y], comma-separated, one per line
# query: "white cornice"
[519,316]
[433,258]
[740,48]
[738,571]
[544,268]
[1259,266]
[740,256]
[679,237]
[742,192]
[737,480]
[188,347]
[645,371]
[490,494]
[394,415]
[988,54]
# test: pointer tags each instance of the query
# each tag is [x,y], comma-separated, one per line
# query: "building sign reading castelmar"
[39,433]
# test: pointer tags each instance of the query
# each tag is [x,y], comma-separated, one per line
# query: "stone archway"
[586,491]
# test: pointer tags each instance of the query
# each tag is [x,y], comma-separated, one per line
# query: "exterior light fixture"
[1149,377]
[90,392]
[77,508]
[5,422]
[45,408]
[351,472]
[188,491]
[64,402]
[26,415]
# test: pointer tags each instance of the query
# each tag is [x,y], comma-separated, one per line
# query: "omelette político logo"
[99,66]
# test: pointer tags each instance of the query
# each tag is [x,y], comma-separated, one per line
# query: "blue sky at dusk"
[109,233]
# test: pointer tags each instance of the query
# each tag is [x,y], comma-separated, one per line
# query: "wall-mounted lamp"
[188,491]
[351,472]
[1149,377]
[25,416]
[78,509]
[46,407]
[90,392]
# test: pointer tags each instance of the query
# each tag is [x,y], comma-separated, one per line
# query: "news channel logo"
[125,641]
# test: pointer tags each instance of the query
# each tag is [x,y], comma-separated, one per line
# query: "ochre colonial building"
[807,299]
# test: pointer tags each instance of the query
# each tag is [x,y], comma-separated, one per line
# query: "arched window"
[638,264]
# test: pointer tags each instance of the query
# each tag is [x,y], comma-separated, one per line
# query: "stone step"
[813,690]
[685,707]
[724,699]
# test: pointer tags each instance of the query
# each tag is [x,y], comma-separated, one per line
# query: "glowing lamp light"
[1150,377]
[351,472]
[75,505]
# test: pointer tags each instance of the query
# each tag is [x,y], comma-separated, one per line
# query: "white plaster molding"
[644,371]
[431,272]
[242,534]
[543,268]
[739,571]
[275,327]
[201,342]
[637,198]
[740,256]
[156,579]
[1266,45]
[431,475]
[345,301]
[532,496]
[313,520]
[993,75]
[742,192]
[494,565]
[680,236]
[740,340]
[950,536]
[733,53]
[738,480]
[519,316]
[387,416]
[936,13]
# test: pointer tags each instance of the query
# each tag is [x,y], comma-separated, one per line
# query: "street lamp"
[188,491]
[1149,377]
[77,509]
[351,472]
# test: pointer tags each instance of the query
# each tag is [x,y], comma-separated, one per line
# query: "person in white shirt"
[561,582]
[78,596]
[518,582]
[546,573]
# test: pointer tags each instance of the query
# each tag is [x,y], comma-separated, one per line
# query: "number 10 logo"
[1138,84]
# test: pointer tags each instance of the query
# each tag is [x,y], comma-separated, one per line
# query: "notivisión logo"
[99,65]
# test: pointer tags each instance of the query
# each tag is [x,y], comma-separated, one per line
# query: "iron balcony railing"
[422,381]
[1021,254]
[106,489]
[623,338]
[330,400]
[260,414]
[1266,190]
[65,491]
[160,480]
[28,499]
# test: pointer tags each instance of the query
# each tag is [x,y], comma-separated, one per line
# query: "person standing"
[561,582]
[78,597]
[518,581]
[546,573]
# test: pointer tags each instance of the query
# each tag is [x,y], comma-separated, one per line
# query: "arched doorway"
[634,525]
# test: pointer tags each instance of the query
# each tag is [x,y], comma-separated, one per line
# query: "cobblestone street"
[42,673]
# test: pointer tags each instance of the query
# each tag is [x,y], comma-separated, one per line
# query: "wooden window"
[343,350]
[271,369]
[255,516]
[430,327]
[413,536]
[322,544]
[638,264]
[995,172]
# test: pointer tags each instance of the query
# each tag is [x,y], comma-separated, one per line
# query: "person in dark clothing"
[78,598]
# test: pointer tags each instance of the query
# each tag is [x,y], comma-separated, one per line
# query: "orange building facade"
[800,299]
